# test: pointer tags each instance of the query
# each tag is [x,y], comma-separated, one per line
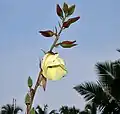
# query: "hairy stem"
[28,110]
[33,92]
[57,36]
[56,39]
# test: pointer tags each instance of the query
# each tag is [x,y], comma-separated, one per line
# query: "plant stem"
[39,76]
[57,38]
[28,109]
[33,92]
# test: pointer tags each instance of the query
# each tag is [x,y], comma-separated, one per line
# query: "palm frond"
[53,112]
[117,68]
[89,90]
[106,73]
[93,92]
[111,108]
[64,109]
[17,109]
[8,108]
[91,107]
[109,77]
[84,112]
[39,110]
[73,110]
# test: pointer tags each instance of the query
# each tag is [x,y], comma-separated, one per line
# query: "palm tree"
[73,110]
[69,110]
[64,110]
[39,110]
[53,112]
[10,109]
[90,108]
[105,93]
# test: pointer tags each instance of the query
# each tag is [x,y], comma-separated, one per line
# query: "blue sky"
[97,33]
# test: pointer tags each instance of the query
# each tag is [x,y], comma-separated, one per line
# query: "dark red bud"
[70,21]
[47,33]
[59,11]
[68,42]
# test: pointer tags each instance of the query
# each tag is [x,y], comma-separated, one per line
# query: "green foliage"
[106,93]
[10,109]
[64,23]
[30,82]
[65,9]
[69,110]
[71,10]
[32,111]
[27,99]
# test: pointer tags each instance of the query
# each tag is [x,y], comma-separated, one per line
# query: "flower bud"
[47,33]
[59,11]
[53,67]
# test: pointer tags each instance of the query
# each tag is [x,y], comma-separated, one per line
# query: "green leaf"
[32,111]
[93,92]
[65,8]
[67,45]
[59,24]
[56,30]
[71,10]
[30,82]
[27,99]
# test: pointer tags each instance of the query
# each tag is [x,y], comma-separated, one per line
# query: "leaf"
[109,76]
[59,24]
[106,73]
[66,44]
[30,82]
[71,10]
[93,92]
[59,11]
[47,33]
[70,21]
[114,88]
[65,8]
[32,111]
[55,30]
[43,82]
[27,99]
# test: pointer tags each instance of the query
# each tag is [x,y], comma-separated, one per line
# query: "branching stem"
[33,92]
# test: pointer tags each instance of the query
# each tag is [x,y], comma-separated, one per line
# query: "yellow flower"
[53,67]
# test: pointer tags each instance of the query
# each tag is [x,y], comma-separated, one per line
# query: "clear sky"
[97,33]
